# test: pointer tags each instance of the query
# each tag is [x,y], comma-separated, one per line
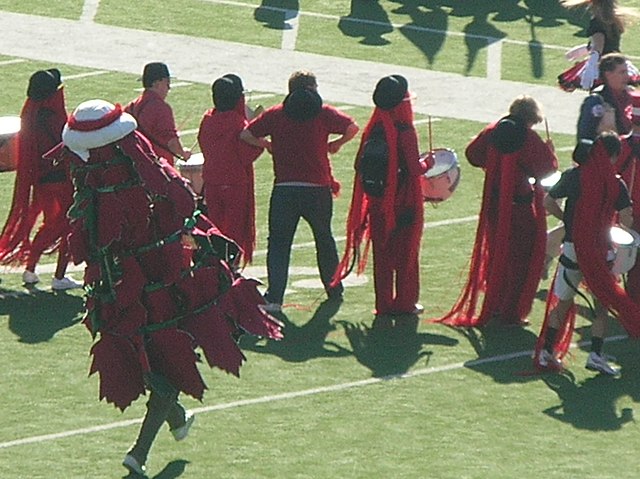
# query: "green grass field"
[334,398]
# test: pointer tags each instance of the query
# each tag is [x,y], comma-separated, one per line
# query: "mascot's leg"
[162,406]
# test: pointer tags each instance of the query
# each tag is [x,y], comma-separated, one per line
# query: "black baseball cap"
[153,72]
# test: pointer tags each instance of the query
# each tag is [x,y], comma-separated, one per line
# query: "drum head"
[547,182]
[195,161]
[621,236]
[444,160]
[9,126]
[441,180]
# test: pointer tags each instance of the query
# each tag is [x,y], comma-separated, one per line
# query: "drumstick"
[546,127]
[430,135]
[633,177]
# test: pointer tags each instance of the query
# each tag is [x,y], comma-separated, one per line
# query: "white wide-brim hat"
[96,123]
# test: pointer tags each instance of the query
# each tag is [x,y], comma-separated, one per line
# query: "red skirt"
[569,80]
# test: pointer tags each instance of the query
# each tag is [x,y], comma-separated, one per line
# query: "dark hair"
[611,142]
[609,139]
[225,93]
[153,72]
[610,62]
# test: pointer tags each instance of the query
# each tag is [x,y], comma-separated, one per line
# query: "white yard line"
[289,395]
[84,75]
[290,32]
[494,60]
[11,62]
[89,10]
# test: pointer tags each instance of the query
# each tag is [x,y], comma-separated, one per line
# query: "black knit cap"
[302,104]
[390,91]
[43,84]
[226,93]
[154,71]
[235,79]
[509,135]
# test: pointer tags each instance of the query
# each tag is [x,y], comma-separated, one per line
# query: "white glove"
[577,53]
[590,72]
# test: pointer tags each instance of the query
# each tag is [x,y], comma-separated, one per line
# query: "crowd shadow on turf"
[483,28]
[37,316]
[275,14]
[302,342]
[593,403]
[171,471]
[377,23]
[497,345]
[392,345]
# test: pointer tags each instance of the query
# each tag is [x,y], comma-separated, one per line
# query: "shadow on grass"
[392,344]
[36,316]
[376,25]
[495,344]
[301,343]
[171,471]
[275,14]
[593,404]
[429,23]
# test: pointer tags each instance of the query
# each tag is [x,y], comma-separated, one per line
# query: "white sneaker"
[271,307]
[595,362]
[546,360]
[29,277]
[65,283]
[133,465]
[182,432]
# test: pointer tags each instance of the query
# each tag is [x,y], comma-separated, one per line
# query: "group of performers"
[600,191]
[162,278]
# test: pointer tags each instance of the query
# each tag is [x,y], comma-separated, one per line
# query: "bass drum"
[192,171]
[9,129]
[625,246]
[441,180]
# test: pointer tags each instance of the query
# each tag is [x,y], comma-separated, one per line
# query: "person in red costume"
[41,186]
[509,249]
[594,194]
[155,116]
[299,129]
[393,221]
[228,165]
[157,274]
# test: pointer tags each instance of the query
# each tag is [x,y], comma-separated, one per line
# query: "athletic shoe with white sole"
[546,360]
[29,277]
[182,432]
[596,362]
[132,464]
[65,283]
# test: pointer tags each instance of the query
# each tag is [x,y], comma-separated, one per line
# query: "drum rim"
[454,163]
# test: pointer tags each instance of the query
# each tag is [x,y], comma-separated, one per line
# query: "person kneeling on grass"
[594,193]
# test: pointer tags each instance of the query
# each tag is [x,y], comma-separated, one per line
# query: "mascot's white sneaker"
[64,283]
[29,277]
[133,465]
[182,432]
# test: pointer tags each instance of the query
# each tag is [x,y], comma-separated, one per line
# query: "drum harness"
[570,264]
[136,113]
